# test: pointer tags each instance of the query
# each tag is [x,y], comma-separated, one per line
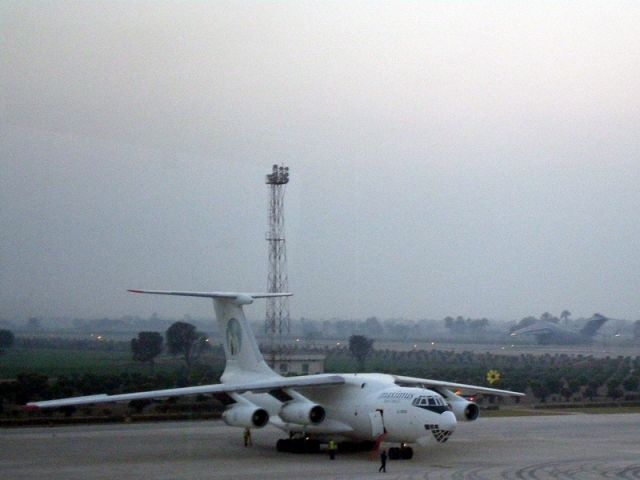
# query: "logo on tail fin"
[234,336]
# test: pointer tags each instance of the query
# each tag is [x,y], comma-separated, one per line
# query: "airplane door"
[377,423]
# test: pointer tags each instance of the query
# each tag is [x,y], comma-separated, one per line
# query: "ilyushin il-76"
[358,410]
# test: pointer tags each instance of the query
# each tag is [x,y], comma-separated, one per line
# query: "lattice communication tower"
[277,319]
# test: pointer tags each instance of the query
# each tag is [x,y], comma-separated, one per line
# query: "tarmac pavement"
[579,446]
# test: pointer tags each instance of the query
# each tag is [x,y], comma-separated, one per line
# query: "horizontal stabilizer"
[236,297]
[212,294]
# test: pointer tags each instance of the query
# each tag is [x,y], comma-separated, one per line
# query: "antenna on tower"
[277,319]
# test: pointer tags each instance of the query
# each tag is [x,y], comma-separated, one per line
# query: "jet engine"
[463,409]
[302,412]
[248,416]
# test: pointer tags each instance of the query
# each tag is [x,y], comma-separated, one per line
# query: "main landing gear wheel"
[283,445]
[298,445]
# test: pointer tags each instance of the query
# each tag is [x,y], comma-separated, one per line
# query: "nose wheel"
[400,453]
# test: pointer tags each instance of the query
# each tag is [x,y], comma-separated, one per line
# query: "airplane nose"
[448,421]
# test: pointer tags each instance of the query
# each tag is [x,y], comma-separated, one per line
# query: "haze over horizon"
[446,158]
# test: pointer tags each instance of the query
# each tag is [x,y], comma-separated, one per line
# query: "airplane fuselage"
[368,406]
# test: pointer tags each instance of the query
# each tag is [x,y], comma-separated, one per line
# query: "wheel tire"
[394,453]
[283,445]
[406,453]
[312,446]
[298,446]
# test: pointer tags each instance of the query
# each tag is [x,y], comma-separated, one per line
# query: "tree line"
[557,377]
[182,339]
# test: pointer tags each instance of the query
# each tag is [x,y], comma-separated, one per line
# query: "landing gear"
[298,445]
[364,446]
[283,445]
[406,453]
[394,453]
[400,453]
[311,445]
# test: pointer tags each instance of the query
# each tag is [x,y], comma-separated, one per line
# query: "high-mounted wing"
[538,328]
[262,386]
[427,383]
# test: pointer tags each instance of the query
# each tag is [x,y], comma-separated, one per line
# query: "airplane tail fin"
[593,325]
[240,347]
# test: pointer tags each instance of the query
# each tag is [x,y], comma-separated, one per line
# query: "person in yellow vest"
[247,437]
[333,448]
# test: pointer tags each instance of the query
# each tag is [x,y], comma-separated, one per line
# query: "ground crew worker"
[247,437]
[333,447]
[383,461]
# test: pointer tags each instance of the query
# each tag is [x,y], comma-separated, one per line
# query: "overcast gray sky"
[447,158]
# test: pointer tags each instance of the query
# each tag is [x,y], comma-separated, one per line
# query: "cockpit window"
[429,401]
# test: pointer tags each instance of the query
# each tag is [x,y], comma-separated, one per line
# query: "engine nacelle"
[464,410]
[248,416]
[304,413]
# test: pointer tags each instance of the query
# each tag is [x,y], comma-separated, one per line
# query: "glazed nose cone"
[448,421]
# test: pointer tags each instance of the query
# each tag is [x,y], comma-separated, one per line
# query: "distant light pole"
[277,319]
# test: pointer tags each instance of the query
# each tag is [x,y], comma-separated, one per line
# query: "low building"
[299,364]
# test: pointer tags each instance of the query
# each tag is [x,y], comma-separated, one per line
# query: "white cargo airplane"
[360,408]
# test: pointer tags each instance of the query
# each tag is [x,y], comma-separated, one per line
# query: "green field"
[55,362]
[528,412]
